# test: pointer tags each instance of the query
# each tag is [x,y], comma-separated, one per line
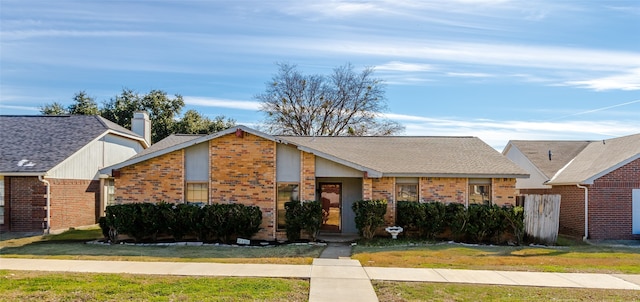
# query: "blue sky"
[495,69]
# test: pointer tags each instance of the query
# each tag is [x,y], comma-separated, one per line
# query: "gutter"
[46,183]
[586,211]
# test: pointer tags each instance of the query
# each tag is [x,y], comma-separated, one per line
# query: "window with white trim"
[480,191]
[407,189]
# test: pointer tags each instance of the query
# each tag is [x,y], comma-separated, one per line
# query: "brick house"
[49,168]
[242,165]
[599,183]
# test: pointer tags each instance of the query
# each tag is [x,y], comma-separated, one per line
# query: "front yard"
[572,258]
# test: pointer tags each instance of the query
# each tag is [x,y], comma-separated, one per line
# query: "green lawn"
[575,258]
[419,291]
[41,286]
[71,245]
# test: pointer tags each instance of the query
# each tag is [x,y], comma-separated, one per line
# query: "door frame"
[340,185]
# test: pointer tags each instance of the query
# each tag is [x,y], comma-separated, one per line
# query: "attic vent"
[550,154]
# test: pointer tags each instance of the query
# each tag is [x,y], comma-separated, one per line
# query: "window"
[407,192]
[407,189]
[1,199]
[480,191]
[197,192]
[286,192]
[110,191]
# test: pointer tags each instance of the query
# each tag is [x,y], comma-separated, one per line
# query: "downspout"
[586,211]
[46,183]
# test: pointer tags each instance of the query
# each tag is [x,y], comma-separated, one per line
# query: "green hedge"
[302,216]
[145,221]
[476,224]
[369,216]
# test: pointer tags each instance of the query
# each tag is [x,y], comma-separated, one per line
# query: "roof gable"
[598,159]
[37,143]
[537,152]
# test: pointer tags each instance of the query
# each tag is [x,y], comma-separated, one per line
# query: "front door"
[331,199]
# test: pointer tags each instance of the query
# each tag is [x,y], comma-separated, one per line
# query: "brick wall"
[27,201]
[154,180]
[443,189]
[610,203]
[73,202]
[308,176]
[367,188]
[384,188]
[243,170]
[504,191]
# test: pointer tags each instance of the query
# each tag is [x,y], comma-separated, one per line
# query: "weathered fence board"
[542,217]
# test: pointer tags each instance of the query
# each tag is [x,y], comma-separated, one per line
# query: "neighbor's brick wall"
[154,180]
[73,202]
[443,189]
[243,171]
[384,188]
[571,208]
[504,191]
[27,201]
[610,203]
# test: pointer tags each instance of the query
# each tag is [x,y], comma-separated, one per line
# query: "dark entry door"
[331,199]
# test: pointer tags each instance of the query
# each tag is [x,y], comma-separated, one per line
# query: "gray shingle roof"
[537,151]
[407,155]
[389,155]
[38,143]
[598,159]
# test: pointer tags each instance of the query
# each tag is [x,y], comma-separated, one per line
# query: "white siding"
[635,212]
[197,162]
[287,163]
[84,164]
[536,178]
[327,168]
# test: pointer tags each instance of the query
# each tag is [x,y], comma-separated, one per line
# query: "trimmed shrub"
[485,222]
[299,216]
[211,222]
[457,219]
[429,219]
[514,218]
[369,216]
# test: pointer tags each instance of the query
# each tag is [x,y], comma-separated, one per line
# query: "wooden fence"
[542,217]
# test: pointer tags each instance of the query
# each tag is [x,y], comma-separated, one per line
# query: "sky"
[499,70]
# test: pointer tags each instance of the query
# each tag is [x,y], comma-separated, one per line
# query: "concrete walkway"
[333,279]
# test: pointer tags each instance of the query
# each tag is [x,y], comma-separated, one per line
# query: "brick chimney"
[141,125]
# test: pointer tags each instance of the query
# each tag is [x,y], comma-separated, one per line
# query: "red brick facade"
[157,179]
[243,170]
[610,204]
[73,203]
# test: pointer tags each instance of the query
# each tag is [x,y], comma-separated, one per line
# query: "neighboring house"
[49,168]
[242,165]
[604,175]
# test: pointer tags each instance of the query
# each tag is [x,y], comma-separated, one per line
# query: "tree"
[54,108]
[193,122]
[83,105]
[162,110]
[344,103]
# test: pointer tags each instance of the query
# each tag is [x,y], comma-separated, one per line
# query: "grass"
[71,245]
[413,291]
[577,258]
[42,286]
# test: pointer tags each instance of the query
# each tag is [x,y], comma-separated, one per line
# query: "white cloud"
[223,103]
[403,66]
[469,74]
[624,81]
[498,133]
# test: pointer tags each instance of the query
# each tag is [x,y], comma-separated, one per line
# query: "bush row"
[369,216]
[145,221]
[303,216]
[475,224]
